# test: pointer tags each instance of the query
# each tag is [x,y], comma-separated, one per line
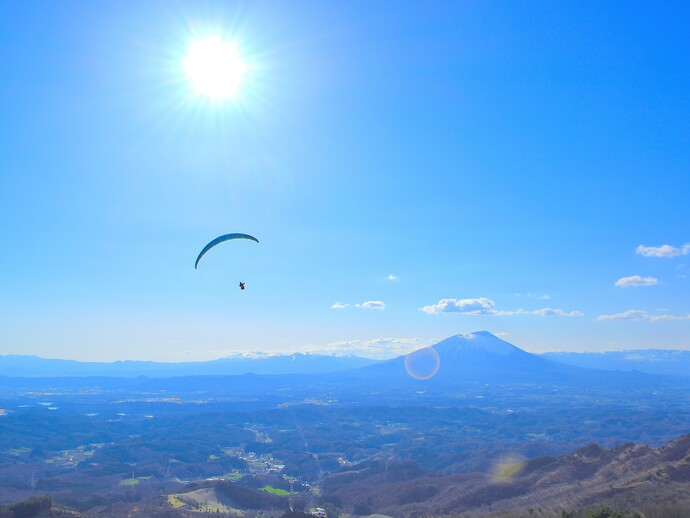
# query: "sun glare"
[215,67]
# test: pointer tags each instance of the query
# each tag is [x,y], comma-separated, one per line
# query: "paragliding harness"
[221,239]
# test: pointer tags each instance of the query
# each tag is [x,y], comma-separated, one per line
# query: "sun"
[215,68]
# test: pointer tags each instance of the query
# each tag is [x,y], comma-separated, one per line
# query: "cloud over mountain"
[485,306]
[480,306]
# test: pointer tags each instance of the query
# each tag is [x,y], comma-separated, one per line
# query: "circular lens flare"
[215,68]
[506,468]
[423,364]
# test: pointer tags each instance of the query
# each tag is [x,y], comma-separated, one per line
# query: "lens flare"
[423,364]
[507,468]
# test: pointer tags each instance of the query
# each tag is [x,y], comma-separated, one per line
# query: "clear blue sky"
[515,153]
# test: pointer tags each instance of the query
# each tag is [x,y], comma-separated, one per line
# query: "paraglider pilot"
[241,285]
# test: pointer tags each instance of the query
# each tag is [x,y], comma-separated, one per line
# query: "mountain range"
[652,361]
[297,363]
[478,356]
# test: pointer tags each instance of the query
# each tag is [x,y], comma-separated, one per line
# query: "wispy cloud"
[369,304]
[638,314]
[667,251]
[635,281]
[550,312]
[669,317]
[485,306]
[372,304]
[543,312]
[631,314]
[392,277]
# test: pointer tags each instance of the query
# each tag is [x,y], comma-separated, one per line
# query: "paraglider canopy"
[221,239]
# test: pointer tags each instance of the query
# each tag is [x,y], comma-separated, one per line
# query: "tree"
[604,512]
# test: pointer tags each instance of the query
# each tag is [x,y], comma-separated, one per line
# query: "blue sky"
[503,161]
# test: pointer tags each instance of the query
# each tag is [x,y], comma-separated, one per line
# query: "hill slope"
[631,477]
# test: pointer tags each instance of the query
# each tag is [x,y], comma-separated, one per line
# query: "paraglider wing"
[221,239]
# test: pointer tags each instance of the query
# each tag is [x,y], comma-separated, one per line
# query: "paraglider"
[221,239]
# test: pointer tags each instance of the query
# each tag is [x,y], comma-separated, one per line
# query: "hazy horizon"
[378,349]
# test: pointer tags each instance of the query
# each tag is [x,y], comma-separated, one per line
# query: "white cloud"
[372,304]
[669,317]
[484,306]
[550,312]
[631,314]
[638,314]
[369,304]
[635,281]
[663,250]
[543,312]
[518,311]
[480,306]
[392,277]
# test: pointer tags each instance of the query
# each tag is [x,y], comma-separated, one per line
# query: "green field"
[275,491]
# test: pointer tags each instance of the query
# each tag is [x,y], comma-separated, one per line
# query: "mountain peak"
[476,341]
[483,332]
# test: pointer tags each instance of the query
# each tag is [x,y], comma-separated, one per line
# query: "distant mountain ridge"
[652,361]
[243,363]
